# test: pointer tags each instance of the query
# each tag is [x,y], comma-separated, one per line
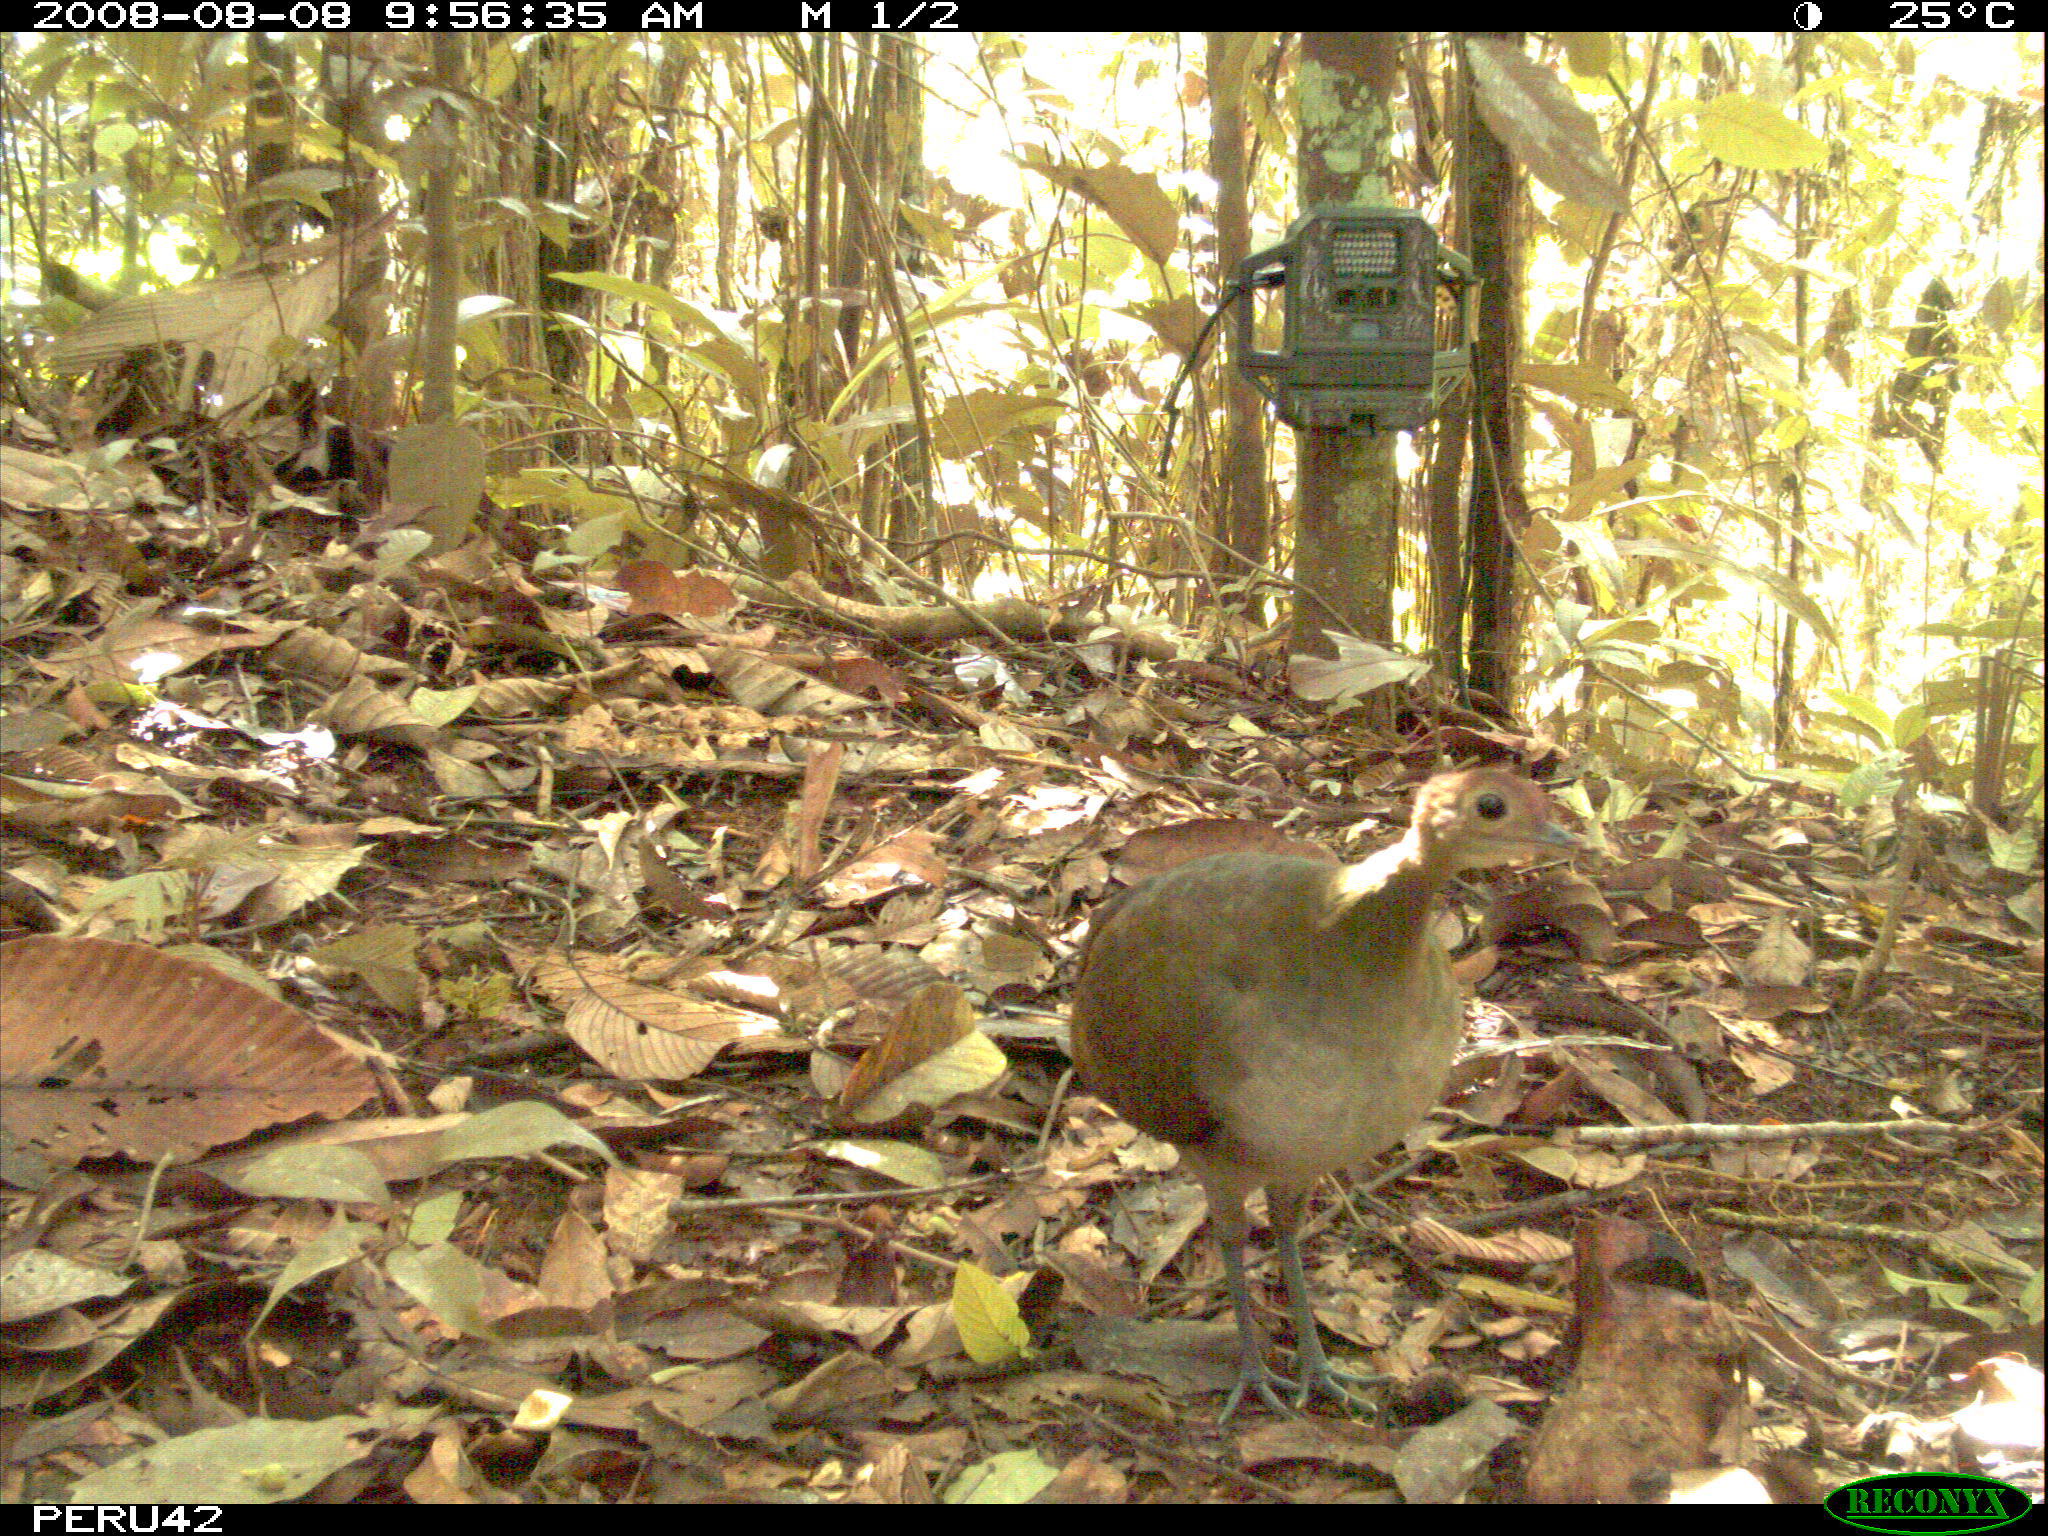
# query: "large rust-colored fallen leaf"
[119,1048]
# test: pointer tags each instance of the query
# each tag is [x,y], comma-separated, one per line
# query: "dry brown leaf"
[930,1053]
[821,781]
[573,1273]
[141,646]
[655,587]
[312,653]
[1517,1249]
[640,1032]
[636,1218]
[1772,1003]
[514,698]
[31,808]
[1565,901]
[774,689]
[1673,930]
[1599,1076]
[361,708]
[1779,959]
[846,1379]
[44,481]
[908,856]
[118,1048]
[867,677]
[699,1397]
[881,974]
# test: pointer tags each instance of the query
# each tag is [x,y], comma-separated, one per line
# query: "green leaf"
[1770,583]
[433,1219]
[1009,1477]
[341,1242]
[1866,713]
[908,1165]
[1744,132]
[114,140]
[1583,384]
[1876,779]
[728,352]
[1953,1295]
[443,706]
[968,1065]
[928,316]
[980,418]
[311,1172]
[447,1282]
[261,1461]
[511,1130]
[1136,201]
[2011,851]
[1588,53]
[992,1330]
[632,292]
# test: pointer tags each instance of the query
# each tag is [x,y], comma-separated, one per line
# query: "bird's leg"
[1252,1370]
[1316,1371]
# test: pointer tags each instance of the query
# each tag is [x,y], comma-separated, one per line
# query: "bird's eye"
[1491,806]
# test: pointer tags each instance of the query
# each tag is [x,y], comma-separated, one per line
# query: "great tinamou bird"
[1277,1018]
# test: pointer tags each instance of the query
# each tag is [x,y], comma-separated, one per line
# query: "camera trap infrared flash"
[1359,328]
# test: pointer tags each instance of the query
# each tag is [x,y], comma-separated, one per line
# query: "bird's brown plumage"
[1277,1018]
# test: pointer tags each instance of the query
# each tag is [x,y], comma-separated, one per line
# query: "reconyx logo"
[1950,1503]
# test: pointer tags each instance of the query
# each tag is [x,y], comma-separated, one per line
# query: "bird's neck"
[1387,895]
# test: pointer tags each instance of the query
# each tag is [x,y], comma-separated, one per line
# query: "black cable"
[1233,290]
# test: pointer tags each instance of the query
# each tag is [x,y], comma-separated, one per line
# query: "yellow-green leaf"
[991,1328]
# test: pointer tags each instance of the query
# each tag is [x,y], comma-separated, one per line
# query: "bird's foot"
[1319,1376]
[1257,1376]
